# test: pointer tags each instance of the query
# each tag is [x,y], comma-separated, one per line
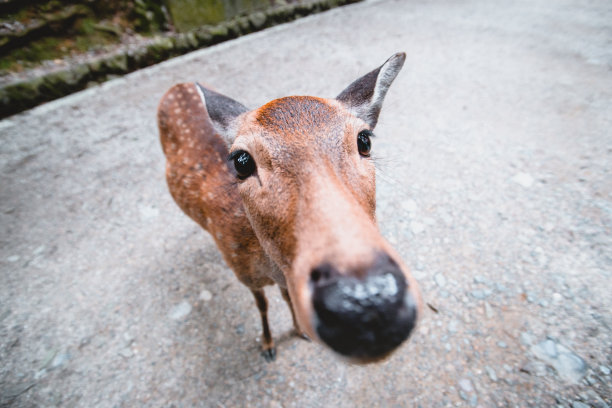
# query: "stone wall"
[24,94]
[188,15]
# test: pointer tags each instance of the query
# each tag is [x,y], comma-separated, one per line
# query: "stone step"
[18,34]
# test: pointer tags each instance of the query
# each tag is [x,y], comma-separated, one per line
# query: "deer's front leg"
[268,349]
[296,325]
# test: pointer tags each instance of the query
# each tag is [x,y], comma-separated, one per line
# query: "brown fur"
[311,199]
[202,185]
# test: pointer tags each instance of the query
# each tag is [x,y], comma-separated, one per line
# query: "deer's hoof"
[302,335]
[269,355]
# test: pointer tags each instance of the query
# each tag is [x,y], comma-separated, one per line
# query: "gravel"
[101,271]
[568,365]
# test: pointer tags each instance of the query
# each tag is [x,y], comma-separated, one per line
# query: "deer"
[287,192]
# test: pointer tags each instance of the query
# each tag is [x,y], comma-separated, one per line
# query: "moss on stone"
[24,92]
[96,65]
[185,42]
[233,29]
[203,36]
[258,20]
[17,97]
[219,33]
[64,82]
[244,24]
[190,14]
[181,43]
[281,14]
[137,58]
[149,16]
[161,49]
[117,64]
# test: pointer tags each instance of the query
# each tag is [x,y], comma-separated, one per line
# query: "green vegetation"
[74,28]
[37,30]
[190,14]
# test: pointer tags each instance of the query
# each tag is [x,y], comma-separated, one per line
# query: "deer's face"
[298,167]
[307,182]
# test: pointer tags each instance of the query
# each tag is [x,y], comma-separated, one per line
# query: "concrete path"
[495,155]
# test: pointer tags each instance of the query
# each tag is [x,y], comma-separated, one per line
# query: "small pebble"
[128,339]
[417,227]
[410,205]
[13,258]
[526,339]
[205,295]
[540,369]
[440,279]
[60,359]
[604,370]
[480,294]
[531,298]
[429,221]
[479,279]
[466,385]
[39,250]
[180,311]
[523,179]
[488,310]
[148,213]
[491,373]
[550,347]
[500,288]
[569,366]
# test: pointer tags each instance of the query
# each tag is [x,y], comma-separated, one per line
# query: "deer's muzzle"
[363,314]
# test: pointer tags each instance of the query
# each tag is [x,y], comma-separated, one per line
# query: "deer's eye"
[364,144]
[243,163]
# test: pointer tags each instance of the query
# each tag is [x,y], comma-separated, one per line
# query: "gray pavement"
[494,151]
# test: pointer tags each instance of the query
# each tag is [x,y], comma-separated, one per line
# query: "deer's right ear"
[222,111]
[365,96]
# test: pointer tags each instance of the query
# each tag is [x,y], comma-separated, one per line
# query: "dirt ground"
[494,152]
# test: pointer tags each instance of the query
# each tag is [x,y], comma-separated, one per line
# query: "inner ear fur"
[364,97]
[222,110]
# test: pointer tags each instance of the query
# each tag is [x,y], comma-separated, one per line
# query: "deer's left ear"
[222,110]
[365,96]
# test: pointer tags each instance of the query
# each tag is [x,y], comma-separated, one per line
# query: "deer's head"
[302,166]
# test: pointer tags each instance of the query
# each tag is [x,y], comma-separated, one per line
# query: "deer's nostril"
[322,275]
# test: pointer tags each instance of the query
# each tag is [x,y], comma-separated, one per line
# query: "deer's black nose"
[364,317]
